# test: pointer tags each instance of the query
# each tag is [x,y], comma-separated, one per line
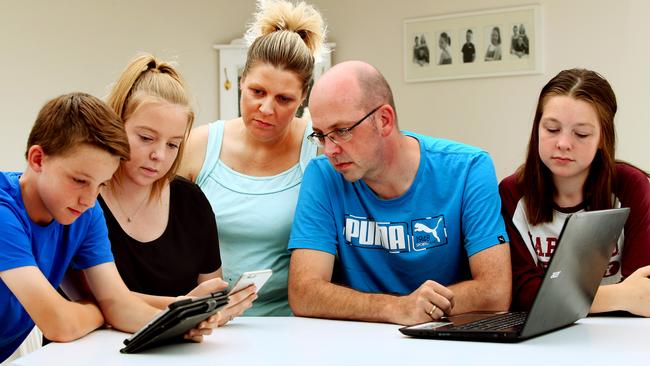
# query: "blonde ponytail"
[287,36]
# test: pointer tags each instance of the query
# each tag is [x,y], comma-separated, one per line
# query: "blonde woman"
[163,233]
[251,167]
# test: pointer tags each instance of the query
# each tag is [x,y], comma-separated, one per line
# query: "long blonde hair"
[147,79]
[288,36]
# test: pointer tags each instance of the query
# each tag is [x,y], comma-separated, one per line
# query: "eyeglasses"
[337,135]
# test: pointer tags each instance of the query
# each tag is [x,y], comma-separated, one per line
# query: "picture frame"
[478,44]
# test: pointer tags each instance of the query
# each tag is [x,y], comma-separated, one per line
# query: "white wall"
[49,49]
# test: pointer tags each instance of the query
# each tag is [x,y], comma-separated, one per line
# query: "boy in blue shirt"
[50,223]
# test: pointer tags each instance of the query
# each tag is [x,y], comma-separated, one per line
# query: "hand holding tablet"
[170,325]
[183,315]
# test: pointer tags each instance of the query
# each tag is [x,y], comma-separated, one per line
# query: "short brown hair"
[72,119]
[536,180]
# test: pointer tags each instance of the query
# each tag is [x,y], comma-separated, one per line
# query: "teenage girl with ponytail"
[162,231]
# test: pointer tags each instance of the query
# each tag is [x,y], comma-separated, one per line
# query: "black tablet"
[170,325]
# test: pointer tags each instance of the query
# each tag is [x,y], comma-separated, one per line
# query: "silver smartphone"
[257,278]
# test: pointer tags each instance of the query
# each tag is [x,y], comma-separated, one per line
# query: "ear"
[241,83]
[386,118]
[35,158]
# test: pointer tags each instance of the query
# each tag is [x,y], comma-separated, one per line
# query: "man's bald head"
[352,82]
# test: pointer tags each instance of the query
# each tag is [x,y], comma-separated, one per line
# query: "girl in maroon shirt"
[570,166]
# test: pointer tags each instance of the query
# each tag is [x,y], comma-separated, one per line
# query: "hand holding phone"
[257,278]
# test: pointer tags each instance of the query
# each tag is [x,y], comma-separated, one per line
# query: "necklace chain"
[128,217]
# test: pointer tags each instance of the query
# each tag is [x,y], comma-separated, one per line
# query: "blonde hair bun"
[281,15]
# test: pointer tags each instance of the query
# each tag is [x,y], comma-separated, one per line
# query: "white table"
[294,341]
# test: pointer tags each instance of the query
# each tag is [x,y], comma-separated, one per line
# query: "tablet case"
[170,325]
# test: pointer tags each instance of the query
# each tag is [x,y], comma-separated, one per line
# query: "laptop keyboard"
[497,322]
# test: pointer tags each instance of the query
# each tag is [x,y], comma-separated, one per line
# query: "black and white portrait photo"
[420,51]
[493,52]
[519,43]
[469,50]
[444,48]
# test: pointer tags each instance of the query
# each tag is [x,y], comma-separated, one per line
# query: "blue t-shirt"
[451,212]
[52,248]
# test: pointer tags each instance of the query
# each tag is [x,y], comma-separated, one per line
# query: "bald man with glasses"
[392,226]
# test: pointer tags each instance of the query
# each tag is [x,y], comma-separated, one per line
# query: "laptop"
[581,255]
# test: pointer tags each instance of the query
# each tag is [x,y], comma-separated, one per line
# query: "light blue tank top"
[254,217]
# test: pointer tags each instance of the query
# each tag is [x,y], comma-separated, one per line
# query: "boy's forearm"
[128,313]
[158,302]
[122,309]
[78,319]
[59,319]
